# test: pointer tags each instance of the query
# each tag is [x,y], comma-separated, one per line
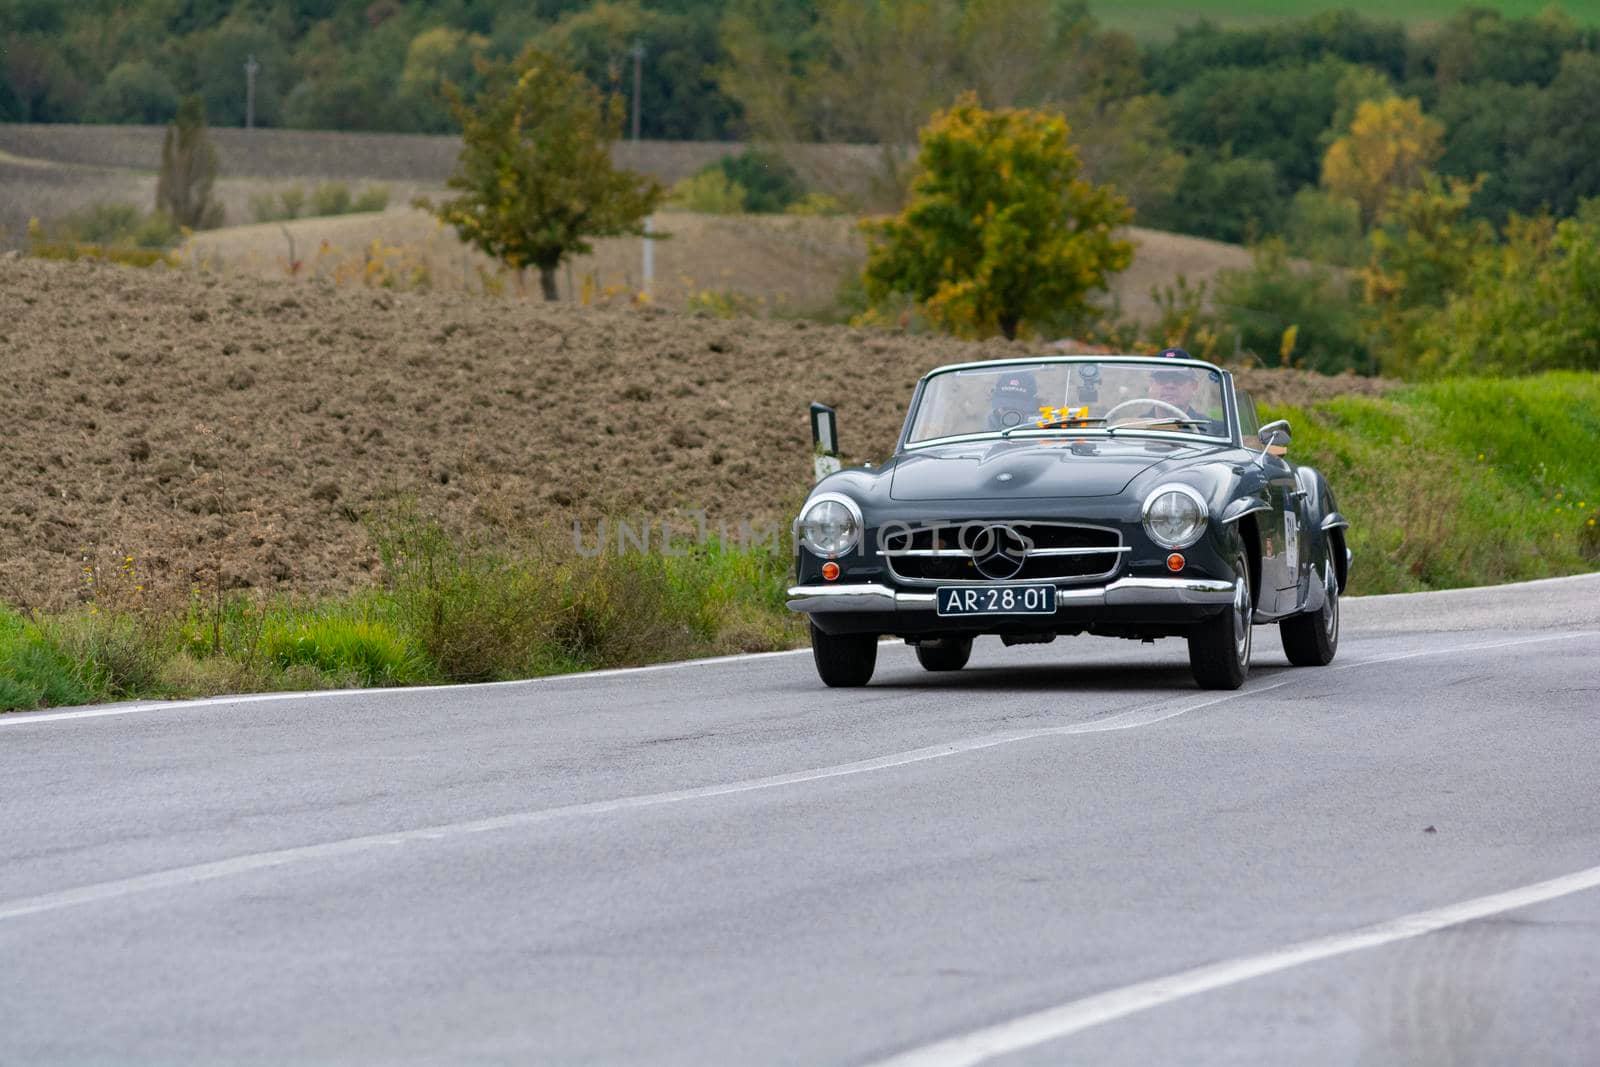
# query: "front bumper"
[1122,593]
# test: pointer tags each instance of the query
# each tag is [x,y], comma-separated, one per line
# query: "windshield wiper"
[1145,424]
[1074,423]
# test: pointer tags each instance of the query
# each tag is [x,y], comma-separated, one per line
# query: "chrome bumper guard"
[1124,592]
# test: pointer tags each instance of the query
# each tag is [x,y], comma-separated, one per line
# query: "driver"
[1013,400]
[1178,386]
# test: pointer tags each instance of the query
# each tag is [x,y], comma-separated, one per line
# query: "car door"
[1281,526]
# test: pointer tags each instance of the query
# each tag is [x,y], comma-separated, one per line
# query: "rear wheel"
[946,654]
[844,659]
[1219,647]
[1311,640]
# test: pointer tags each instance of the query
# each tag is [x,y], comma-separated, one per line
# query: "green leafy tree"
[1277,295]
[1001,230]
[1424,248]
[133,92]
[1223,198]
[188,170]
[770,184]
[680,98]
[1528,304]
[435,57]
[219,66]
[535,178]
[1559,166]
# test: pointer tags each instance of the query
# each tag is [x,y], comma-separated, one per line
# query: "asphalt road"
[1064,854]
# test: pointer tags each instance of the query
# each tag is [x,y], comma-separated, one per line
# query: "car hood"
[1031,469]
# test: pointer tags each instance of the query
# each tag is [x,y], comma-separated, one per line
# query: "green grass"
[1150,20]
[1462,482]
[448,612]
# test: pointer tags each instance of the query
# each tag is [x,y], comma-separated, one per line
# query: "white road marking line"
[1029,1031]
[28,718]
[204,872]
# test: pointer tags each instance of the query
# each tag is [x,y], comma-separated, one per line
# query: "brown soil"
[235,432]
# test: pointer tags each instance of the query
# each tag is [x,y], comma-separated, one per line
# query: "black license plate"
[997,600]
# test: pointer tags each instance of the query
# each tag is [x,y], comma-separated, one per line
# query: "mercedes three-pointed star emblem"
[997,550]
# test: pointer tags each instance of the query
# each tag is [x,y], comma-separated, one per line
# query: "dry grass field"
[752,263]
[241,428]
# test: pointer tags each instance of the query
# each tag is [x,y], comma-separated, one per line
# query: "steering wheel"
[1152,401]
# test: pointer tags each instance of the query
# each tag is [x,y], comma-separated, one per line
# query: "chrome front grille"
[944,554]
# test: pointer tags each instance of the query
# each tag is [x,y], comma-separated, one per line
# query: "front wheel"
[946,654]
[1311,640]
[1219,647]
[844,659]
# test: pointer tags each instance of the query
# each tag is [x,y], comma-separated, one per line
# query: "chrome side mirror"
[1273,435]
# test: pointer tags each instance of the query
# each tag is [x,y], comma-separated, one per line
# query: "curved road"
[1064,854]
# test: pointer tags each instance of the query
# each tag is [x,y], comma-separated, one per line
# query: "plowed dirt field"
[238,431]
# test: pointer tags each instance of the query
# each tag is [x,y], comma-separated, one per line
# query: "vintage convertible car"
[1127,496]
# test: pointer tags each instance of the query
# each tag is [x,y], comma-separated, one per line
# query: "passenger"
[1013,400]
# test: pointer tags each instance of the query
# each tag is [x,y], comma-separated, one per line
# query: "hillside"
[202,424]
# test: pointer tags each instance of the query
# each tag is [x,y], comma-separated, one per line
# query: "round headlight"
[831,526]
[1174,516]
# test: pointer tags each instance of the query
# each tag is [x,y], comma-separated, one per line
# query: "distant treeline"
[1216,132]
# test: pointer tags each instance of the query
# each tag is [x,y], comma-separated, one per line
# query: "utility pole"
[251,69]
[649,264]
[637,52]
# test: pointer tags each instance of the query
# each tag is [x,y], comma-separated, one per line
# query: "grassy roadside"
[1464,482]
[446,613]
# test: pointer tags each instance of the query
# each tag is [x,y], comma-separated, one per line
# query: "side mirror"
[824,441]
[1275,434]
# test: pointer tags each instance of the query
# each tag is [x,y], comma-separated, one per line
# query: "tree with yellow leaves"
[1391,147]
[1001,229]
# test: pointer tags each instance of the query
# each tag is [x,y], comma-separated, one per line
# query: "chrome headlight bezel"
[1201,515]
[809,532]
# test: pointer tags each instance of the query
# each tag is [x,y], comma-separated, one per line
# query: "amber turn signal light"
[830,570]
[1174,562]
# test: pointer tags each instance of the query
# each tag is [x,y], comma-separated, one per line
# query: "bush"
[330,198]
[293,201]
[1275,296]
[117,224]
[770,184]
[372,198]
[816,204]
[709,192]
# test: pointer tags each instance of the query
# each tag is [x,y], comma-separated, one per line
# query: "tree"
[1223,198]
[188,169]
[1391,146]
[134,91]
[679,94]
[1001,230]
[1423,249]
[1528,304]
[535,176]
[433,58]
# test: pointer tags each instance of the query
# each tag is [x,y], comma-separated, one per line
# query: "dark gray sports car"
[1125,496]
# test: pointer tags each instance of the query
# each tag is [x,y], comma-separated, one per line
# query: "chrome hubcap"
[1241,618]
[1330,607]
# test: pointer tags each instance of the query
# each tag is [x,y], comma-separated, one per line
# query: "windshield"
[1104,394]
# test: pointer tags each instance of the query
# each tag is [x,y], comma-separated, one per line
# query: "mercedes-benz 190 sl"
[1125,496]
